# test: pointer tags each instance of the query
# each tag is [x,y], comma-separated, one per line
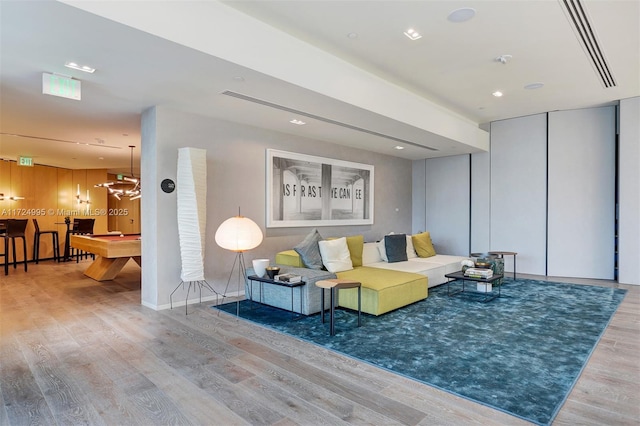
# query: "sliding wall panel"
[519,191]
[447,203]
[480,202]
[629,195]
[582,193]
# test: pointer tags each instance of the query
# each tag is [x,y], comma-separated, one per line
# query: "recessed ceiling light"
[352,35]
[497,93]
[84,68]
[532,86]
[297,122]
[238,78]
[412,34]
[398,147]
[462,15]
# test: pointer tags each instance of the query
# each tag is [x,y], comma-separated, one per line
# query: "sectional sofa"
[386,284]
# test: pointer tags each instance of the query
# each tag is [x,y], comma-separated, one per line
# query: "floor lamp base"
[242,277]
[199,284]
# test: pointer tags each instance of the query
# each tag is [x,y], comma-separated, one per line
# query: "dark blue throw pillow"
[396,247]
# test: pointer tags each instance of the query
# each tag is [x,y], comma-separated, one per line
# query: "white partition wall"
[447,203]
[629,195]
[582,193]
[519,191]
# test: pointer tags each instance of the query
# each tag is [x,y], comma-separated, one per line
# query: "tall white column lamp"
[238,234]
[191,190]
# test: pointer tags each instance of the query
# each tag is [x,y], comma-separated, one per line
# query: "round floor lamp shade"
[238,234]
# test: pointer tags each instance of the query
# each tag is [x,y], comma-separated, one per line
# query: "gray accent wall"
[448,203]
[480,202]
[236,167]
[418,206]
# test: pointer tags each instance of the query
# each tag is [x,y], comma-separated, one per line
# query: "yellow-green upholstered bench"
[383,290]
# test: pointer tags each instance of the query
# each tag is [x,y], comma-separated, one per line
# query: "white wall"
[517,165]
[149,211]
[519,191]
[236,160]
[629,195]
[582,193]
[448,202]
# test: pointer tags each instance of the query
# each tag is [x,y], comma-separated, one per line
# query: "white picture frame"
[295,195]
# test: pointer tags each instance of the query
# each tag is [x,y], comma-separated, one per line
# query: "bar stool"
[15,228]
[4,255]
[334,285]
[82,227]
[36,242]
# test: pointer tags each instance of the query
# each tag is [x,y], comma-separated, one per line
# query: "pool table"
[112,253]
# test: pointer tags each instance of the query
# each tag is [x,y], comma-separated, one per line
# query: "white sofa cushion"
[433,271]
[434,267]
[335,255]
[382,249]
[411,252]
[370,254]
[452,263]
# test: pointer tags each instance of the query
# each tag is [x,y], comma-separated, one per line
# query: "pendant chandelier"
[128,186]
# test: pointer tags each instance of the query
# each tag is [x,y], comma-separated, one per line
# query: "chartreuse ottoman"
[383,290]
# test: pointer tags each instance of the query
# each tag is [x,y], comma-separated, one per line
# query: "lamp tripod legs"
[242,277]
[200,284]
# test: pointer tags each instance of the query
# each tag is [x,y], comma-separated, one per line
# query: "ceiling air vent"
[323,119]
[589,41]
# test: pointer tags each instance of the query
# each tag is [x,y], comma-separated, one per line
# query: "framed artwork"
[305,190]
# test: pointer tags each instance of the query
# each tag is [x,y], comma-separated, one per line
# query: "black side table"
[502,254]
[263,281]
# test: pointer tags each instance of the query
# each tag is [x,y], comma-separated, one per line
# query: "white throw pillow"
[383,250]
[335,255]
[370,254]
[411,252]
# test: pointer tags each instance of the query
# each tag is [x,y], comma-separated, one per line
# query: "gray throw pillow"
[396,247]
[309,251]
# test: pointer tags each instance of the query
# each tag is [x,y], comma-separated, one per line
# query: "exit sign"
[60,85]
[25,161]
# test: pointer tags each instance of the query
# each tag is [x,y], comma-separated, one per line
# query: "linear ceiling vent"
[589,41]
[323,119]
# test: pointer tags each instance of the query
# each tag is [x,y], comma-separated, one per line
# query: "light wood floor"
[75,351]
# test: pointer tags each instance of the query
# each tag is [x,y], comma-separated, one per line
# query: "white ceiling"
[453,65]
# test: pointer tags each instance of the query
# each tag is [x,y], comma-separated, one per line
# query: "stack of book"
[478,273]
[288,278]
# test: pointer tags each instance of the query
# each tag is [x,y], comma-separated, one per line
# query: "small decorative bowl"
[483,265]
[272,271]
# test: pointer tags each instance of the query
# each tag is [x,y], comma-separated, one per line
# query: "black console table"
[263,281]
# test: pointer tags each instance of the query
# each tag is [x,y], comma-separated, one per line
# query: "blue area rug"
[521,353]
